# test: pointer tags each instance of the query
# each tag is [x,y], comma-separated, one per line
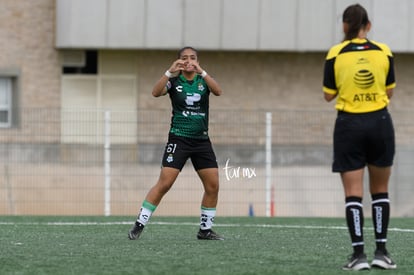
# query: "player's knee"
[212,188]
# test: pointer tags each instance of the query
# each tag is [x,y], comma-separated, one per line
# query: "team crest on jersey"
[200,87]
[170,158]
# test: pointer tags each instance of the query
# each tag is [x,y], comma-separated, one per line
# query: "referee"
[189,87]
[359,73]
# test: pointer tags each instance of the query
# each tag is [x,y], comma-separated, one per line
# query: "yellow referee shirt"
[359,71]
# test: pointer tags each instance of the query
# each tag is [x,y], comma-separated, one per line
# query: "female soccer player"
[189,87]
[360,74]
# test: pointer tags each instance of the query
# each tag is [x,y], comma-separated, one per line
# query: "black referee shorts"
[361,139]
[179,149]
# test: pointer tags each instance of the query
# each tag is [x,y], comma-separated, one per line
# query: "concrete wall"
[255,25]
[264,80]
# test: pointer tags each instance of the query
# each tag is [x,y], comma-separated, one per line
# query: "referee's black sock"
[380,218]
[355,220]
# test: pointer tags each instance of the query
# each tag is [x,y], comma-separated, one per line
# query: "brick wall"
[27,40]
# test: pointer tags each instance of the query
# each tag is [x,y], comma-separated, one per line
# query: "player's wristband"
[203,74]
[168,74]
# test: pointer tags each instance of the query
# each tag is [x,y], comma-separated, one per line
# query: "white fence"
[271,163]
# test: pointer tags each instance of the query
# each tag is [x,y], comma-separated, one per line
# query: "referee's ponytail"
[356,18]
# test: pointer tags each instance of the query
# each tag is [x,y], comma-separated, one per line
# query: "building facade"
[67,61]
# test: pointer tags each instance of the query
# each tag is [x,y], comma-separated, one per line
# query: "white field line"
[196,224]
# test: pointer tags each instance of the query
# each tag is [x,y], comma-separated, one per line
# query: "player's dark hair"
[357,18]
[186,48]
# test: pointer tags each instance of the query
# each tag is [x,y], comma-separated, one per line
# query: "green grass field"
[253,245]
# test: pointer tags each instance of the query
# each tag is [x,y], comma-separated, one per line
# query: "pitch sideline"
[394,229]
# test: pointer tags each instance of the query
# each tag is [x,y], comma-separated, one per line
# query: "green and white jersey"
[190,103]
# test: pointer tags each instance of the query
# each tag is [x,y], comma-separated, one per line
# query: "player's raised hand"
[177,66]
[195,66]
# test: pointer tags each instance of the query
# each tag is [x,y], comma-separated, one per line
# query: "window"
[80,62]
[5,102]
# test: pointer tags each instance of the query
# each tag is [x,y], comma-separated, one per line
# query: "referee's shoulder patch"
[335,50]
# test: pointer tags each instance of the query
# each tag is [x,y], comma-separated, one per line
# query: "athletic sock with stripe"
[380,219]
[207,218]
[355,220]
[145,213]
